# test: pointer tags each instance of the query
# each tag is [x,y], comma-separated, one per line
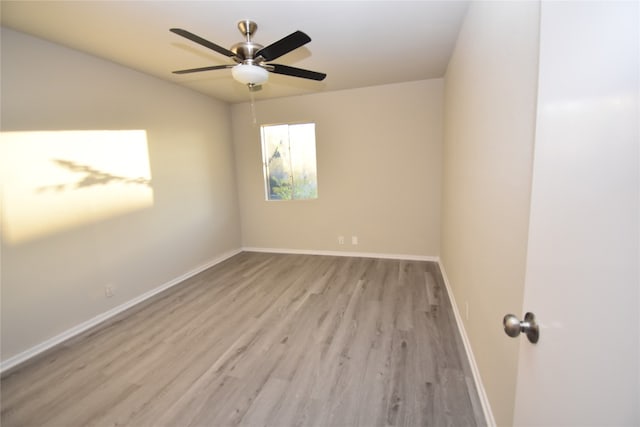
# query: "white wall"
[490,98]
[583,257]
[54,279]
[379,165]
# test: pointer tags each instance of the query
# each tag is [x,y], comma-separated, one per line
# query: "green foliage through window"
[289,157]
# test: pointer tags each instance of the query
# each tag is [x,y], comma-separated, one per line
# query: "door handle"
[513,326]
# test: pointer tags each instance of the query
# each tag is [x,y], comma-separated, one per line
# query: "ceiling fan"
[251,58]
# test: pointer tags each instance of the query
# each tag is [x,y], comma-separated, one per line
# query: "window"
[289,158]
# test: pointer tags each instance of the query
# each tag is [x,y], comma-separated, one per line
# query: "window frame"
[265,166]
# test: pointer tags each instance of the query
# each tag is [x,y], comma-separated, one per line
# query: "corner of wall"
[477,378]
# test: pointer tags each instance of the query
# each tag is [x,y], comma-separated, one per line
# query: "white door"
[582,278]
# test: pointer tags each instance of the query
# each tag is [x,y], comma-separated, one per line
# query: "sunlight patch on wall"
[57,180]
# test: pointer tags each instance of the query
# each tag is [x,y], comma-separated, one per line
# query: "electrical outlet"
[341,240]
[108,291]
[354,240]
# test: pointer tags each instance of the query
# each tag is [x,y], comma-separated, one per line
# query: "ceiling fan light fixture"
[249,74]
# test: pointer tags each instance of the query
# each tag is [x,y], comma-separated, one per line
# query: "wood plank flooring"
[263,339]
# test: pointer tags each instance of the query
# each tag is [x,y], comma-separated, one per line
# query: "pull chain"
[253,106]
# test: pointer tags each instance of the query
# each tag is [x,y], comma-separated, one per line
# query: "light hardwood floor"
[263,339]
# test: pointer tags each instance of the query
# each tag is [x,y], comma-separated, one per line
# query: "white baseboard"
[342,253]
[482,394]
[78,329]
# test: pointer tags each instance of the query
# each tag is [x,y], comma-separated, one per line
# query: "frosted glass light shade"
[245,73]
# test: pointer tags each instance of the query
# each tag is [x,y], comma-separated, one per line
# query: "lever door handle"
[513,326]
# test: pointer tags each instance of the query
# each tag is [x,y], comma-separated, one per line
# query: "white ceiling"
[357,43]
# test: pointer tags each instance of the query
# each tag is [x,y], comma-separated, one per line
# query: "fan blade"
[203,42]
[282,46]
[195,70]
[296,72]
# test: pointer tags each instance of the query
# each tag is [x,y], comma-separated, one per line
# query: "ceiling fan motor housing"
[245,52]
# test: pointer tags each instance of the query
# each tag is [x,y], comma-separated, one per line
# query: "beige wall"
[55,280]
[379,166]
[490,99]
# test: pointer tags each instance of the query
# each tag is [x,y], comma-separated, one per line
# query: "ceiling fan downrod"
[248,28]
